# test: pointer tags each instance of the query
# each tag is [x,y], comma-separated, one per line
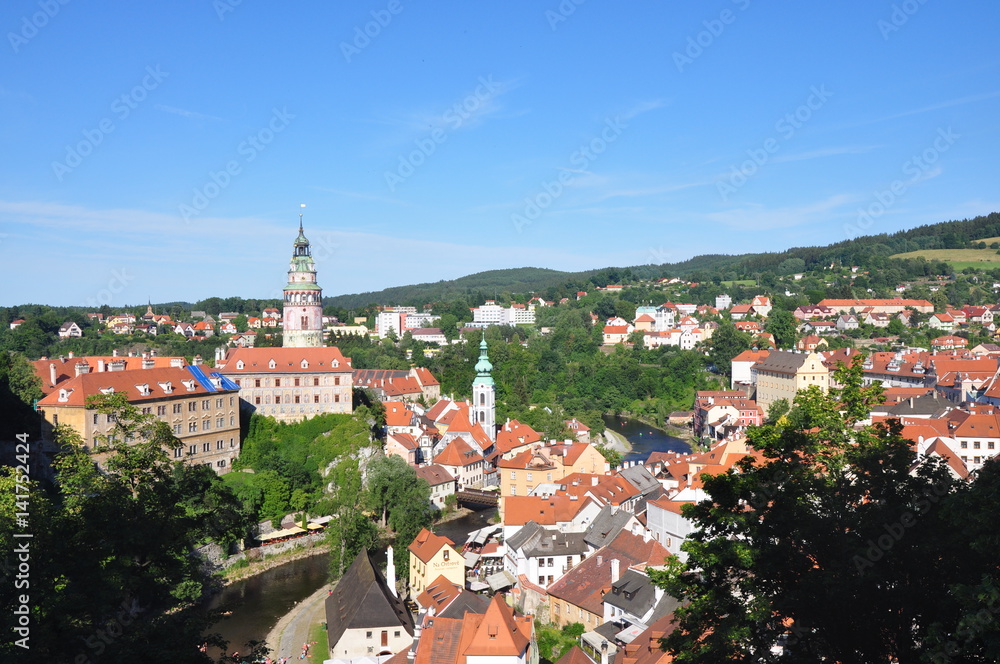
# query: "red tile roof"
[286,360]
[426,545]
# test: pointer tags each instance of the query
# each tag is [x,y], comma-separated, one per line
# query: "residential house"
[432,556]
[847,322]
[462,462]
[541,555]
[782,374]
[441,482]
[496,636]
[364,617]
[741,365]
[70,329]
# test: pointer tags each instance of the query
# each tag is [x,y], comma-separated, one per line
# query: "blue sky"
[162,150]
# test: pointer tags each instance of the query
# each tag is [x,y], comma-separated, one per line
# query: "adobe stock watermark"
[456,116]
[703,39]
[971,627]
[878,547]
[248,149]
[30,25]
[21,549]
[899,17]
[786,126]
[119,281]
[363,35]
[121,108]
[561,13]
[579,160]
[917,167]
[115,626]
[223,7]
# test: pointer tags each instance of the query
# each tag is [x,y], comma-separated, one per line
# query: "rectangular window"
[975,445]
[220,444]
[232,400]
[232,442]
[206,404]
[206,447]
[177,408]
[161,410]
[218,402]
[513,475]
[277,382]
[296,398]
[529,477]
[315,382]
[220,422]
[177,429]
[277,398]
[192,427]
[990,445]
[256,383]
[256,401]
[232,420]
[192,406]
[95,418]
[336,398]
[296,382]
[206,425]
[965,445]
[316,400]
[192,449]
[178,452]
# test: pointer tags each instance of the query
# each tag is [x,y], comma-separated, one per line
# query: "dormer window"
[64,394]
[143,389]
[304,364]
[336,364]
[107,390]
[167,387]
[240,365]
[189,384]
[272,364]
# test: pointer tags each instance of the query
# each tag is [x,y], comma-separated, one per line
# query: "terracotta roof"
[397,414]
[405,439]
[66,367]
[514,434]
[438,409]
[425,376]
[286,360]
[434,474]
[458,453]
[427,544]
[519,510]
[499,633]
[645,648]
[180,381]
[751,356]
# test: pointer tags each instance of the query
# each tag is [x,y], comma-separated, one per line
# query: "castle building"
[302,315]
[484,412]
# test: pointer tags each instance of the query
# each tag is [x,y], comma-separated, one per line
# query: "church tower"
[484,411]
[302,315]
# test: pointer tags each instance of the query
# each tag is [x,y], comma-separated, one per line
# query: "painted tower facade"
[302,315]
[484,411]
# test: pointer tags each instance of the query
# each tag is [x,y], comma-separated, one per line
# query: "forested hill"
[861,251]
[491,284]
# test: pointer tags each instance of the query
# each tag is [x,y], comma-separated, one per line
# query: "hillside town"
[579,534]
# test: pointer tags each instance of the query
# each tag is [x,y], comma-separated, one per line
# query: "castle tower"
[302,314]
[484,411]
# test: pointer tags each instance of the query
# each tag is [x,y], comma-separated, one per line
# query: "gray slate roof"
[534,541]
[782,361]
[362,600]
[633,593]
[639,477]
[606,526]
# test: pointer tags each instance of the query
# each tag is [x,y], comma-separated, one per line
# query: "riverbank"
[617,442]
[293,629]
[255,567]
[684,433]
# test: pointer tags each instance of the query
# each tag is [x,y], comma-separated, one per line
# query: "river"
[644,438]
[258,602]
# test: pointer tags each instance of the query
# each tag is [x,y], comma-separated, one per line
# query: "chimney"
[82,367]
[196,360]
[52,374]
[114,353]
[71,355]
[148,362]
[600,560]
[615,569]
[390,572]
[100,366]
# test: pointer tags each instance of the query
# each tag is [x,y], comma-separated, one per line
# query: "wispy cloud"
[754,217]
[824,152]
[185,113]
[644,107]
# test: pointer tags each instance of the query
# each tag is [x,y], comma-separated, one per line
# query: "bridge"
[478,497]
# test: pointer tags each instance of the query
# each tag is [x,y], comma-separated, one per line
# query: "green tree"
[827,546]
[777,410]
[726,343]
[781,323]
